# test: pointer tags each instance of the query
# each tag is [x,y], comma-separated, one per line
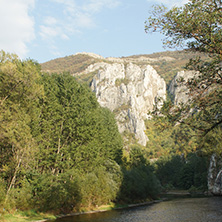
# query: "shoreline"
[101,211]
[104,208]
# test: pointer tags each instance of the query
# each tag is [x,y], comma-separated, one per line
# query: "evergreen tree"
[75,130]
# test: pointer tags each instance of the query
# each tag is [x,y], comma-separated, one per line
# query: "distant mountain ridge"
[167,64]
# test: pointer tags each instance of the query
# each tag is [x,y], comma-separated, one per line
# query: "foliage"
[101,186]
[181,172]
[60,151]
[19,95]
[82,137]
[166,139]
[2,191]
[196,25]
[54,136]
[57,193]
[139,181]
[197,21]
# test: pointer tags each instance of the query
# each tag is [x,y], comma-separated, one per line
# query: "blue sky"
[48,29]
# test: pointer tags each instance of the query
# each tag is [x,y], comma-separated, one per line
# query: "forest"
[61,152]
[59,149]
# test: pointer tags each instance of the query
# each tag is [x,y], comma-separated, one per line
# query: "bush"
[57,193]
[100,186]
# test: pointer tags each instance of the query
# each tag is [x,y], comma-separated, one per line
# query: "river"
[181,210]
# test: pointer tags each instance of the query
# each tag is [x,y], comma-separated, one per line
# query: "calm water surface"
[181,210]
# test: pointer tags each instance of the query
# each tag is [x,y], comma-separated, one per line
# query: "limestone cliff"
[179,90]
[129,91]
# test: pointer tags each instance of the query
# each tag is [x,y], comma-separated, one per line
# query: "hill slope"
[167,64]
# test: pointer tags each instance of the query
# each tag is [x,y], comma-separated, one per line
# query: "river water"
[181,210]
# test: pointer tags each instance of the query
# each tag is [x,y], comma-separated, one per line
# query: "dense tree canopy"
[19,93]
[53,131]
[60,150]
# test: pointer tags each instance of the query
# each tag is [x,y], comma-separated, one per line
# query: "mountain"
[128,86]
[167,64]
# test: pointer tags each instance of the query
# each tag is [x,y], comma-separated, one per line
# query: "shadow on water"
[185,209]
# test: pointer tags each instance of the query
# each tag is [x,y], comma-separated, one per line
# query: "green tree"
[182,172]
[139,181]
[19,95]
[197,26]
[74,130]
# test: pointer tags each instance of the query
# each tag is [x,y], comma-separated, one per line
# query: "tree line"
[59,149]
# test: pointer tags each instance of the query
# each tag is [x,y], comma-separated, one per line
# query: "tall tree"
[19,95]
[197,26]
[75,132]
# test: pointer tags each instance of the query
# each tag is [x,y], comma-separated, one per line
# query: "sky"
[47,29]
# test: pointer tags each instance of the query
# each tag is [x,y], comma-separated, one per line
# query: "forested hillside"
[60,151]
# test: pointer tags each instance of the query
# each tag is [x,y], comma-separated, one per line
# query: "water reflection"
[189,210]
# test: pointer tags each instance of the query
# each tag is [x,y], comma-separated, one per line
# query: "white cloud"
[170,3]
[49,20]
[83,20]
[94,6]
[48,31]
[16,25]
[75,16]
[80,14]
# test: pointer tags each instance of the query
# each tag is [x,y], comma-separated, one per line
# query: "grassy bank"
[24,216]
[31,215]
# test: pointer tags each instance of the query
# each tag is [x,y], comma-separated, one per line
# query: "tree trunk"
[12,183]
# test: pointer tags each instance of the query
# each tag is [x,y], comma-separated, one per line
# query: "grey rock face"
[130,92]
[215,175]
[179,90]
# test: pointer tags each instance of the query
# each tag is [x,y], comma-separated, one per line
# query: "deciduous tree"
[198,27]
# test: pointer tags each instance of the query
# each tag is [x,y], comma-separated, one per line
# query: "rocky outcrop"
[215,175]
[130,92]
[178,88]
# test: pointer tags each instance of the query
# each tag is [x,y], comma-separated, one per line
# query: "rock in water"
[215,175]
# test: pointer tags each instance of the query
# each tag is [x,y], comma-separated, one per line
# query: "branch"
[212,127]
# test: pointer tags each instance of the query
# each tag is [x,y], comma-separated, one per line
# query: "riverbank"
[109,207]
[32,216]
[26,216]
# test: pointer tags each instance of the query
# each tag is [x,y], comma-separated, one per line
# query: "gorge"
[130,87]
